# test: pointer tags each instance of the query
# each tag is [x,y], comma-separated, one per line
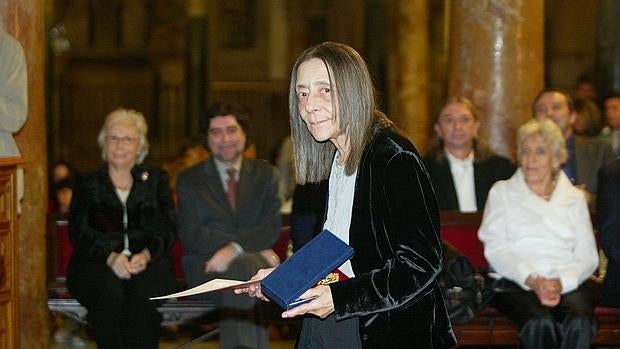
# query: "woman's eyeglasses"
[125,140]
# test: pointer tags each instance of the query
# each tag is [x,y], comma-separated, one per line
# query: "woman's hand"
[548,291]
[119,263]
[321,306]
[254,290]
[139,261]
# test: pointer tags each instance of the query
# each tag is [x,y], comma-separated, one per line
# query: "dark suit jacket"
[207,222]
[96,223]
[608,214]
[486,173]
[395,234]
[590,155]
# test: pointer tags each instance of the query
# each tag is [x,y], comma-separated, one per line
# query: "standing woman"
[121,227]
[380,201]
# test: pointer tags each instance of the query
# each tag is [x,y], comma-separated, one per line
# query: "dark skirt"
[328,333]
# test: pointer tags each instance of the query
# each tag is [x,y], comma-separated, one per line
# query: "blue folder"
[304,269]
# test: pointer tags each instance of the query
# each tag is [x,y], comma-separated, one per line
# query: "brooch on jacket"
[144,176]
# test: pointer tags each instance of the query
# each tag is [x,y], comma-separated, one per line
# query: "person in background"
[121,226]
[585,88]
[380,201]
[284,162]
[59,172]
[229,218]
[538,237]
[611,133]
[609,230]
[588,121]
[13,92]
[460,164]
[585,155]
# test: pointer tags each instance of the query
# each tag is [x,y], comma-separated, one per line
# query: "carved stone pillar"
[609,46]
[409,77]
[497,61]
[24,20]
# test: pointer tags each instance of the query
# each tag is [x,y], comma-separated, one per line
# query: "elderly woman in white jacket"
[538,237]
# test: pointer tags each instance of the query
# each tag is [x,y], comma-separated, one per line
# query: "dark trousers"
[120,312]
[242,320]
[571,324]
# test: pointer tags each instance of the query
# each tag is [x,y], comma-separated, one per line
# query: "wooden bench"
[174,311]
[490,327]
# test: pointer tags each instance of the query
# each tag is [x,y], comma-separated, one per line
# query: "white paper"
[210,286]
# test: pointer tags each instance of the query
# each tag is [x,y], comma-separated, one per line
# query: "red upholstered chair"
[461,231]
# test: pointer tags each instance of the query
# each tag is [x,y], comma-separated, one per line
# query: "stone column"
[609,46]
[24,20]
[409,78]
[497,60]
[196,72]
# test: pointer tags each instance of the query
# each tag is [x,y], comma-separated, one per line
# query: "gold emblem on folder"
[330,279]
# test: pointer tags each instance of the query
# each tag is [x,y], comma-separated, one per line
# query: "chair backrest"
[461,231]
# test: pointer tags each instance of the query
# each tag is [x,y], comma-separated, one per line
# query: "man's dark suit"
[590,155]
[486,172]
[207,223]
[608,214]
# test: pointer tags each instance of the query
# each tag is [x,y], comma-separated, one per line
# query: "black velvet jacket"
[96,221]
[395,233]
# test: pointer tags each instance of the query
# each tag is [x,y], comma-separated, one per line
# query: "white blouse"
[339,207]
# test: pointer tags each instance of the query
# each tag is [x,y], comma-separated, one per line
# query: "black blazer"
[395,234]
[486,172]
[96,221]
[608,205]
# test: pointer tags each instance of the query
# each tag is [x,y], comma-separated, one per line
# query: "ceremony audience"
[611,133]
[538,237]
[461,165]
[380,201]
[585,155]
[121,226]
[609,230]
[229,217]
[588,120]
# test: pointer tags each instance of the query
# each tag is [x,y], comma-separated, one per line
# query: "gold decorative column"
[409,77]
[497,60]
[24,20]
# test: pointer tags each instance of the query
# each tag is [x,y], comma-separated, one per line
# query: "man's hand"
[271,257]
[221,259]
[119,263]
[586,193]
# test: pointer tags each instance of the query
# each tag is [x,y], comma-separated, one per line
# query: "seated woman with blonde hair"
[121,226]
[538,237]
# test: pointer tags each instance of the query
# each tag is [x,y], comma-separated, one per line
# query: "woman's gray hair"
[549,131]
[353,88]
[132,118]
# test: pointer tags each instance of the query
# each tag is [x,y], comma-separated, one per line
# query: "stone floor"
[68,333]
